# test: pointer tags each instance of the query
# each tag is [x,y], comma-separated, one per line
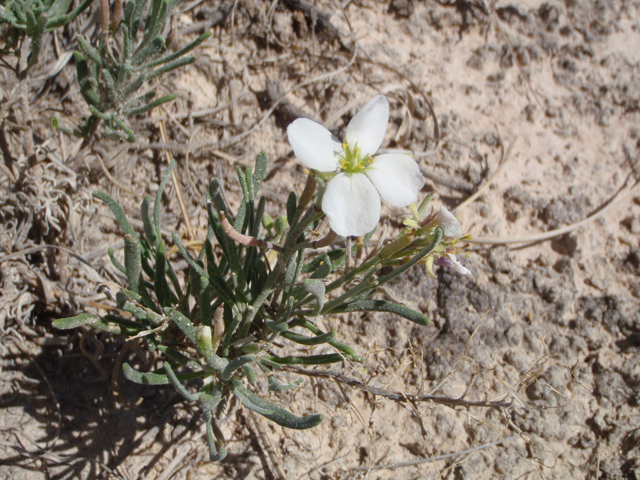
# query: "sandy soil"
[537,104]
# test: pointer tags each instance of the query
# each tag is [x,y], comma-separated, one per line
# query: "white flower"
[451,261]
[352,198]
[449,223]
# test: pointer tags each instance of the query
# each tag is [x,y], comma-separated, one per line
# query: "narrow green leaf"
[147,222]
[215,195]
[291,208]
[135,85]
[207,401]
[58,8]
[95,111]
[308,359]
[127,41]
[89,50]
[142,313]
[276,386]
[139,101]
[151,21]
[137,16]
[231,328]
[150,106]
[272,412]
[304,340]
[133,263]
[215,455]
[116,263]
[181,52]
[58,21]
[170,66]
[255,229]
[347,350]
[276,326]
[183,324]
[88,319]
[131,137]
[117,211]
[36,37]
[31,23]
[128,327]
[180,358]
[383,306]
[129,8]
[264,362]
[206,296]
[249,373]
[124,296]
[226,244]
[323,270]
[313,265]
[160,281]
[248,185]
[234,365]
[144,378]
[187,256]
[261,170]
[316,288]
[175,380]
[241,218]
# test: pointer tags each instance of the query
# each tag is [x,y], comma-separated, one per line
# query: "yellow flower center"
[352,160]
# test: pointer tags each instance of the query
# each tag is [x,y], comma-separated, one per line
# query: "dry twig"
[397,396]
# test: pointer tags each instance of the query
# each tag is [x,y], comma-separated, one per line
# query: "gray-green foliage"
[222,323]
[33,18]
[113,76]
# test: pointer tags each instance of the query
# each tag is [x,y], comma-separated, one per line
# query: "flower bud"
[281,224]
[203,339]
[395,246]
[267,221]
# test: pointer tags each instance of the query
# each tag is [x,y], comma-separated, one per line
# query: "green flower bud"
[281,224]
[395,246]
[204,339]
[267,221]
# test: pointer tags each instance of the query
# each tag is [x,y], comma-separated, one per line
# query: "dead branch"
[397,396]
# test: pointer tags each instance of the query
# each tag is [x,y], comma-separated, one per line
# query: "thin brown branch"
[325,241]
[397,396]
[624,193]
[245,240]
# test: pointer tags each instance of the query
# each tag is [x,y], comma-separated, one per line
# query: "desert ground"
[523,117]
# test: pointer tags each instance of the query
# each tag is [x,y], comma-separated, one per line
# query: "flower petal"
[397,177]
[367,128]
[314,145]
[352,204]
[457,266]
[449,223]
